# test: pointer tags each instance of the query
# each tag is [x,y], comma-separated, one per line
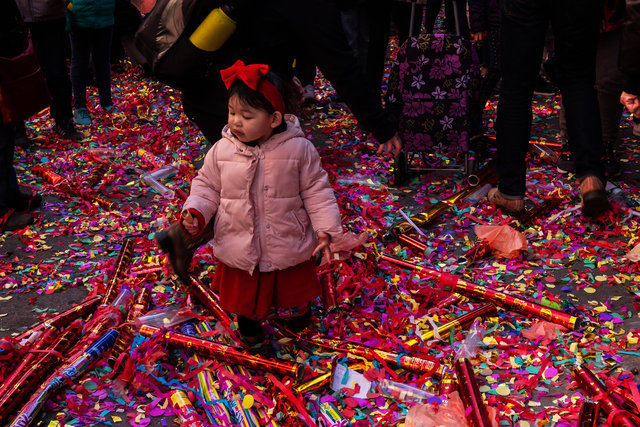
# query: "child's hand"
[323,245]
[190,222]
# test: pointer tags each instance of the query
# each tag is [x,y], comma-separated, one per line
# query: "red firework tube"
[589,414]
[448,384]
[139,307]
[63,185]
[210,301]
[414,244]
[63,318]
[449,300]
[225,353]
[478,251]
[96,175]
[454,283]
[288,403]
[44,341]
[470,394]
[183,408]
[328,290]
[411,363]
[618,417]
[122,263]
[626,399]
[21,389]
[460,322]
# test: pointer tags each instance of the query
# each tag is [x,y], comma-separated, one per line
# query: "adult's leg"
[101,61]
[609,82]
[575,26]
[490,79]
[80,53]
[523,27]
[50,42]
[8,180]
[379,16]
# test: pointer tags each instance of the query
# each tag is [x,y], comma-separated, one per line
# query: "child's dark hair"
[257,100]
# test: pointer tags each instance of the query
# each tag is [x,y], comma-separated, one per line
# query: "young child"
[273,205]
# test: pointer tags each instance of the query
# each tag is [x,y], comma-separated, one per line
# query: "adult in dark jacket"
[46,22]
[630,60]
[265,36]
[13,41]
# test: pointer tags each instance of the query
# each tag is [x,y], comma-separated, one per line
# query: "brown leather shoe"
[510,206]
[180,247]
[593,196]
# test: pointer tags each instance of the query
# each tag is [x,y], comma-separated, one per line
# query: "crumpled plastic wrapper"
[634,254]
[541,328]
[449,413]
[505,240]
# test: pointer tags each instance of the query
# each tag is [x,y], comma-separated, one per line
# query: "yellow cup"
[214,31]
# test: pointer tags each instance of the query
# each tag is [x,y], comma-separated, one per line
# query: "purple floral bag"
[433,83]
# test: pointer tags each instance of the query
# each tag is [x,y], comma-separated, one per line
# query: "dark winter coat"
[41,10]
[630,48]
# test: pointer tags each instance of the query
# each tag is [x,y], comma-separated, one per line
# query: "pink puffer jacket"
[269,201]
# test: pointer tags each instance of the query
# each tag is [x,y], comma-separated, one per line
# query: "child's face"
[250,124]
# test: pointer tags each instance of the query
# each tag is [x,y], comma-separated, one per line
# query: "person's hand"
[392,146]
[190,223]
[631,103]
[323,245]
[479,36]
[297,91]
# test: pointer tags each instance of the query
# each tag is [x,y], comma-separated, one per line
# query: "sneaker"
[593,196]
[544,87]
[510,206]
[16,221]
[25,201]
[82,117]
[67,130]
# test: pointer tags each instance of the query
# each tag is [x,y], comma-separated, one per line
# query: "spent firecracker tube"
[454,283]
[411,363]
[29,379]
[414,244]
[68,373]
[292,408]
[447,301]
[66,187]
[329,416]
[210,301]
[627,400]
[139,308]
[448,384]
[211,401]
[470,394]
[225,353]
[64,318]
[96,175]
[184,410]
[321,381]
[243,414]
[119,271]
[486,175]
[617,416]
[460,322]
[589,414]
[264,419]
[43,342]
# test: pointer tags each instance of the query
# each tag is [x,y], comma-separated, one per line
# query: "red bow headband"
[252,75]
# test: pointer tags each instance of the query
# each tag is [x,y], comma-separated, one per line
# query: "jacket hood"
[294,130]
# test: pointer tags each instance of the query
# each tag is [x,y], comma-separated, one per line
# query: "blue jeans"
[95,45]
[8,181]
[523,27]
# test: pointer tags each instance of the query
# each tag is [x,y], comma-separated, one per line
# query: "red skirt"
[255,296]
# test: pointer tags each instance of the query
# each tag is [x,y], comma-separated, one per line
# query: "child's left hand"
[323,245]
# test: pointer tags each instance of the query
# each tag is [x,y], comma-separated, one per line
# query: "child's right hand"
[190,222]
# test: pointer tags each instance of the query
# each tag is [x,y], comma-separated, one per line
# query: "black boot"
[180,247]
[611,164]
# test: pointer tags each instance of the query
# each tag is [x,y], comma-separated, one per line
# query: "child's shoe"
[81,116]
